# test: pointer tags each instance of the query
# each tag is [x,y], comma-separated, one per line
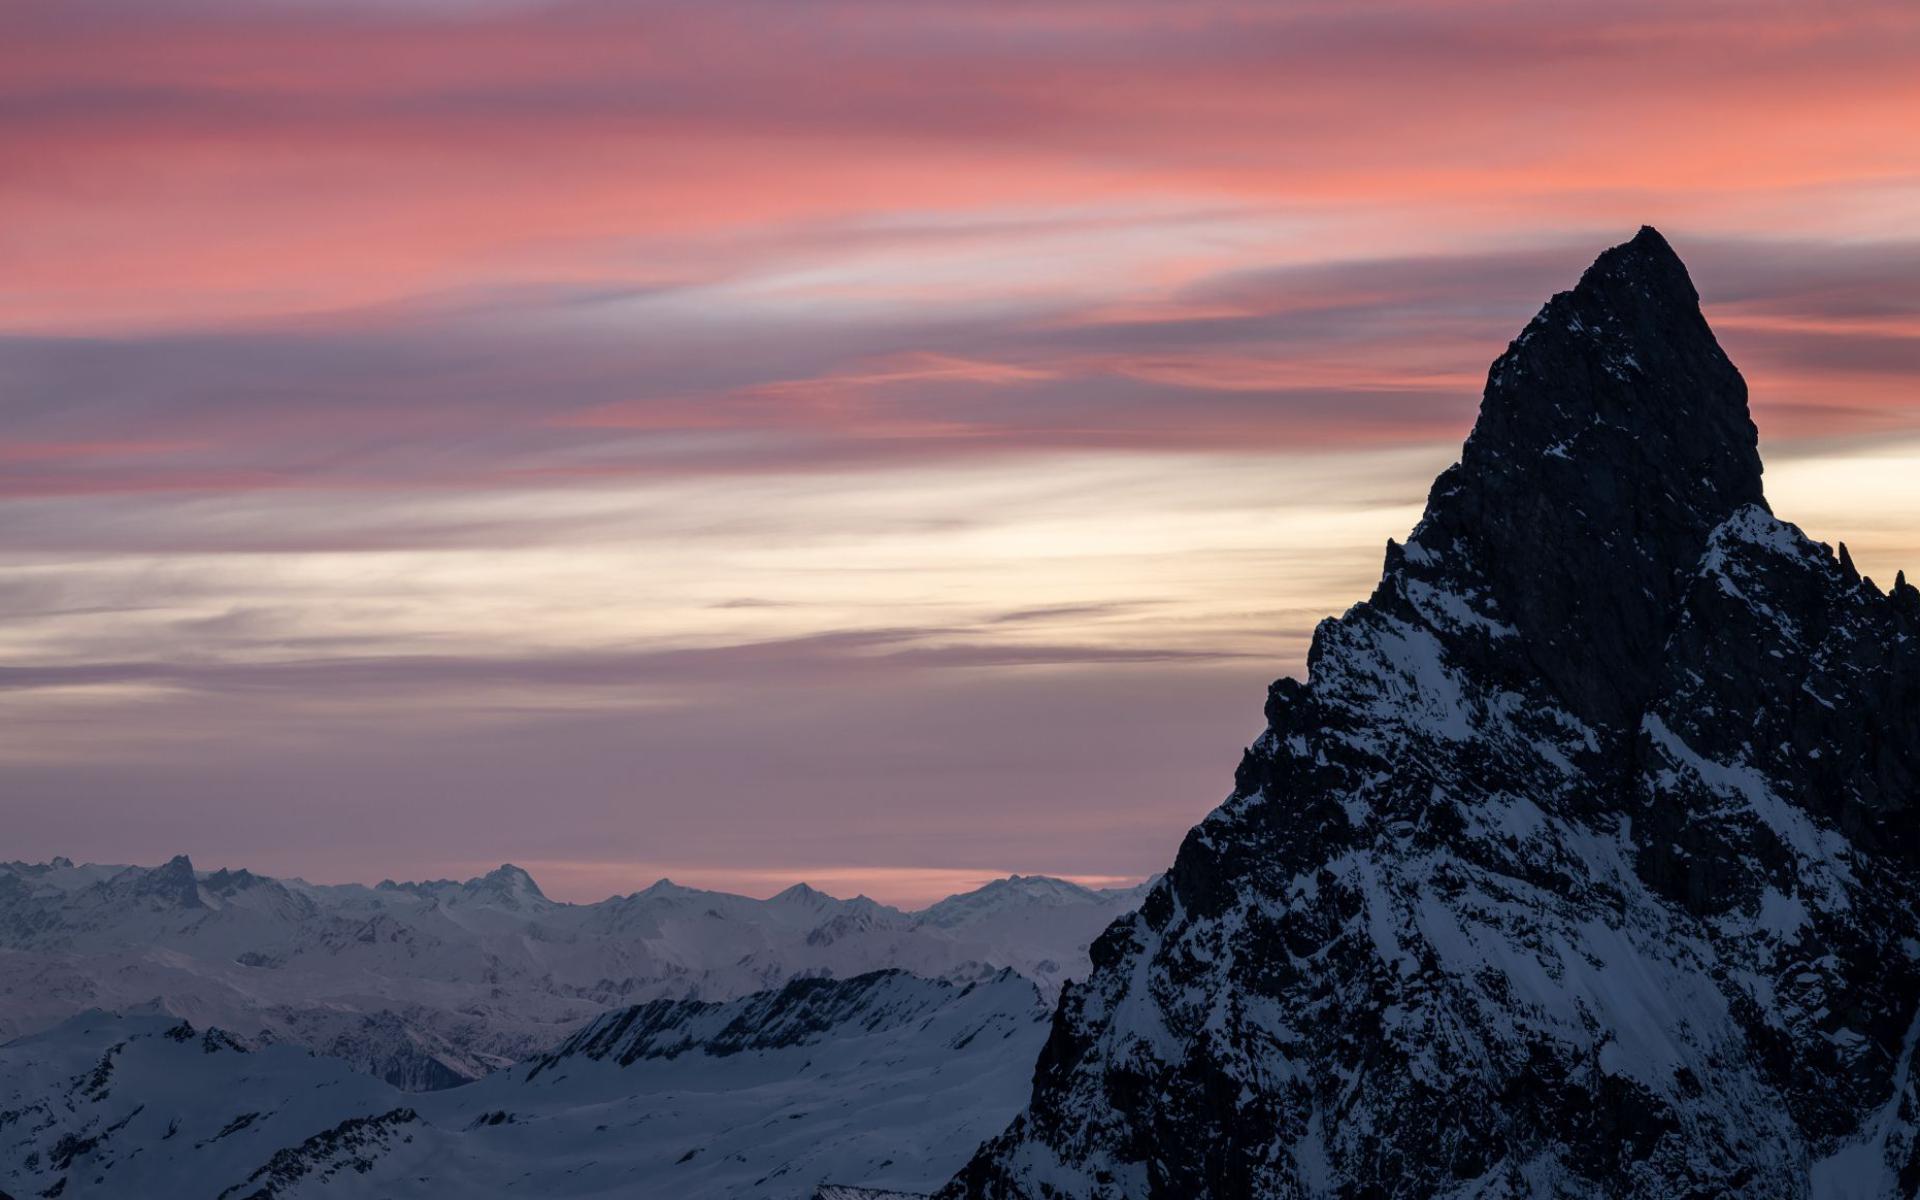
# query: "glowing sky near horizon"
[887,443]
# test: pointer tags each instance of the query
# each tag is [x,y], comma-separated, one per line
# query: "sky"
[882,443]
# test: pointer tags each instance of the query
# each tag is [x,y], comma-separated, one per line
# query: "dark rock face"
[171,885]
[354,1145]
[799,1013]
[1613,437]
[1584,865]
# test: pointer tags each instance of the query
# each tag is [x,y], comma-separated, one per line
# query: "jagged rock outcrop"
[1584,864]
[172,885]
[796,1014]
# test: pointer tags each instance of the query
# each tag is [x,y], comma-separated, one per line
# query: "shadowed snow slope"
[431,984]
[885,1081]
[1584,864]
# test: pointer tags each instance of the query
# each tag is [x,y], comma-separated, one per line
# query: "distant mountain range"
[429,985]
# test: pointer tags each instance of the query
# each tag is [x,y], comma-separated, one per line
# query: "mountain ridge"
[227,878]
[430,984]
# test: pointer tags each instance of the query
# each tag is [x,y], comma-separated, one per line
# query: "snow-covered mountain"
[884,1081]
[1584,863]
[431,984]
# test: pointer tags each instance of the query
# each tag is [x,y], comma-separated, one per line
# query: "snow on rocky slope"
[884,1081]
[1583,864]
[431,984]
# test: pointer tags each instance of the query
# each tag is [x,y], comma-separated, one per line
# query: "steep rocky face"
[797,1014]
[1584,864]
[1613,437]
[170,886]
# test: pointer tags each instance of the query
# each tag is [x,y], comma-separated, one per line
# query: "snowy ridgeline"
[429,985]
[882,1084]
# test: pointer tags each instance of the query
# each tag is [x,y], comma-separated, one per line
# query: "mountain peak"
[1583,863]
[1613,436]
[1625,356]
[1645,256]
[171,884]
[508,881]
[801,893]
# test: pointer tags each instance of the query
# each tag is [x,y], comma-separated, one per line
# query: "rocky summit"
[1583,864]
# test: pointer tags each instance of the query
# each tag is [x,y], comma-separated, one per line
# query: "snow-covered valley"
[885,1080]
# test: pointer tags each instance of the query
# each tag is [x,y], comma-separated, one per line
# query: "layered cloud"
[600,369]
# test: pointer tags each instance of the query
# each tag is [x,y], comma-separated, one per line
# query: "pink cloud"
[316,158]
